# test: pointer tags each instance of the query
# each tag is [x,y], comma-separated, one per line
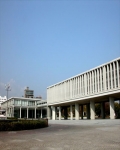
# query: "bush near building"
[15,125]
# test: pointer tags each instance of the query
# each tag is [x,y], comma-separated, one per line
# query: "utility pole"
[7,88]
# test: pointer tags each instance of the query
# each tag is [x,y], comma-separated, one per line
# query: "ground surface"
[66,135]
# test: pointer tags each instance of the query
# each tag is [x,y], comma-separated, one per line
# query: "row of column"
[90,111]
[34,112]
[10,112]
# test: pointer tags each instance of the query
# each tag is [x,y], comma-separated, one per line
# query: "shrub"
[11,125]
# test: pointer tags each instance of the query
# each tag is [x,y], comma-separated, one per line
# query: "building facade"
[98,85]
[21,107]
[2,99]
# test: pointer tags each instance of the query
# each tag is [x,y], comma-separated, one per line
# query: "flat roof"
[23,98]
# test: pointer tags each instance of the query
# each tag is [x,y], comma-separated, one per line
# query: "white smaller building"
[22,107]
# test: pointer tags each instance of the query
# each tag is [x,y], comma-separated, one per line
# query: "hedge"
[11,125]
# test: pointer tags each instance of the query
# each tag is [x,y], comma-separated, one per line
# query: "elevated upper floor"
[23,102]
[102,80]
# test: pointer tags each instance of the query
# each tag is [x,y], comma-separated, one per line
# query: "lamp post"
[7,88]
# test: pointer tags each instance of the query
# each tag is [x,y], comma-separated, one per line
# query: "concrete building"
[98,85]
[21,107]
[25,107]
[28,93]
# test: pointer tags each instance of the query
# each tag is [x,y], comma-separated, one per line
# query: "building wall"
[105,78]
[2,99]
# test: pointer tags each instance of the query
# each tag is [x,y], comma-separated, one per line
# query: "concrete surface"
[66,135]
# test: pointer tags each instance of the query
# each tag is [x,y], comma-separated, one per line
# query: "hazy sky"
[45,42]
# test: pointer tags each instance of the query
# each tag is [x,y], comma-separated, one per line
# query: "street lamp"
[7,88]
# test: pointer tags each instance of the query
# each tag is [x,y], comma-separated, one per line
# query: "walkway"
[66,135]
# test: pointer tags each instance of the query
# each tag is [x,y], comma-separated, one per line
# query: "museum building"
[97,85]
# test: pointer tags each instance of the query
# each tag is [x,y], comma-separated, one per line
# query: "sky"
[44,42]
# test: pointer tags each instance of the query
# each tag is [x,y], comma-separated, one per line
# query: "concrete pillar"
[59,112]
[35,112]
[92,109]
[13,111]
[65,113]
[27,113]
[41,113]
[49,112]
[88,111]
[71,113]
[112,111]
[102,110]
[81,111]
[76,111]
[20,112]
[104,78]
[53,113]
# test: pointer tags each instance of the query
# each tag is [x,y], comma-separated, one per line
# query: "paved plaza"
[66,135]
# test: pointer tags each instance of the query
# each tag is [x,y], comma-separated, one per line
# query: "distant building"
[28,93]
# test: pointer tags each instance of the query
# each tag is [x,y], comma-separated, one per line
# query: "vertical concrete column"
[81,111]
[112,111]
[88,111]
[102,110]
[111,76]
[108,77]
[88,83]
[114,74]
[118,82]
[70,89]
[53,113]
[93,81]
[85,83]
[35,112]
[41,113]
[20,112]
[104,78]
[80,86]
[59,112]
[76,111]
[8,114]
[76,87]
[49,112]
[71,113]
[13,111]
[65,113]
[6,105]
[98,79]
[92,109]
[27,112]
